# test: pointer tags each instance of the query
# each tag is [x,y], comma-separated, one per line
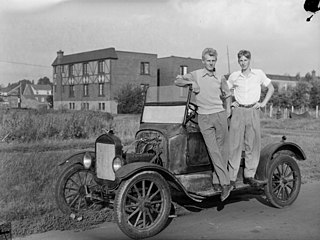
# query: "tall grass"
[34,125]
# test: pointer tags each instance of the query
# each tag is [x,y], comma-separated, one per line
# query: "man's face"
[244,63]
[209,62]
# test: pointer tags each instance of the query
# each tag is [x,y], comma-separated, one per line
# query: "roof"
[9,88]
[107,53]
[179,58]
[13,89]
[282,77]
[42,87]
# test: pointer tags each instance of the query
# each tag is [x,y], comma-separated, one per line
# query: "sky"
[276,32]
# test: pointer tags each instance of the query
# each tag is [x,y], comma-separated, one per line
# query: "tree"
[130,99]
[301,95]
[50,100]
[44,81]
[308,77]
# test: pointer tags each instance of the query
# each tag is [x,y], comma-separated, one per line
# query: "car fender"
[131,169]
[268,152]
[77,158]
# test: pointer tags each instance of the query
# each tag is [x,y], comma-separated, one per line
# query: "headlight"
[117,163]
[87,160]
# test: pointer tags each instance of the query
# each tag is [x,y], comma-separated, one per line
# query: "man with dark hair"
[209,89]
[245,121]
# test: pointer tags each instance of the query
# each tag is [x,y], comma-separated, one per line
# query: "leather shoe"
[226,189]
[255,182]
[217,187]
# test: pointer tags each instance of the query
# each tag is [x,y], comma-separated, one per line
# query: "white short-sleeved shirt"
[247,89]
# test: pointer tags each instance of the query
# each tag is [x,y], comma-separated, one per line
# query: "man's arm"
[182,81]
[268,95]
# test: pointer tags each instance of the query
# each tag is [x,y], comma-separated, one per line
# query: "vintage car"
[169,163]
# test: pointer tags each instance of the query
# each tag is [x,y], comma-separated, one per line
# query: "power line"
[28,64]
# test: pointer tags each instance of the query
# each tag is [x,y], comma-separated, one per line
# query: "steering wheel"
[192,112]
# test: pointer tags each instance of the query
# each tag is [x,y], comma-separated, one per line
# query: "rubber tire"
[120,200]
[270,187]
[60,184]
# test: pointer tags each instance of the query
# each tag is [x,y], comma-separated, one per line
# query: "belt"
[247,105]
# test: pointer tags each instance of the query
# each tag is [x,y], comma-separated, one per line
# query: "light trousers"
[214,130]
[244,135]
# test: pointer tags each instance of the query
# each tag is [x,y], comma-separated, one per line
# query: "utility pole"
[228,60]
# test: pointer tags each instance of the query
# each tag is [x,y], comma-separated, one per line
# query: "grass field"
[28,171]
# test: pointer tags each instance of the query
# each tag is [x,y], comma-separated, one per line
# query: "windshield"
[165,104]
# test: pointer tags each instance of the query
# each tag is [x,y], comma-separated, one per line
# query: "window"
[85,90]
[85,106]
[145,68]
[71,106]
[42,99]
[183,70]
[102,106]
[100,67]
[101,89]
[71,90]
[70,70]
[54,69]
[85,69]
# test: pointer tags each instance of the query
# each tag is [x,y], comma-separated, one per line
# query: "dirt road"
[241,217]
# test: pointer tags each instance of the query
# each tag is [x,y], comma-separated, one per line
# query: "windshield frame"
[149,104]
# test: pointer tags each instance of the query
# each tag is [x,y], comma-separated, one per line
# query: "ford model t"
[169,162]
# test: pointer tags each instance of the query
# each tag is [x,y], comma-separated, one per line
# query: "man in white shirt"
[245,121]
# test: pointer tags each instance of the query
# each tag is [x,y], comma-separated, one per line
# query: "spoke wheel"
[142,205]
[76,190]
[284,181]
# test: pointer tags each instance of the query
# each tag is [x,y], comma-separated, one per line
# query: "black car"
[169,161]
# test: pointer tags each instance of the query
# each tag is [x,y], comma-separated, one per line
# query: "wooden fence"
[284,113]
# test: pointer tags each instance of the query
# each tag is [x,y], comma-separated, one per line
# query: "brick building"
[91,80]
[170,67]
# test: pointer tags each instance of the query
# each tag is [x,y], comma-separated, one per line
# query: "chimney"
[59,56]
[313,74]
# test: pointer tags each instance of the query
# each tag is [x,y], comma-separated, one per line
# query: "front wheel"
[76,190]
[284,181]
[142,205]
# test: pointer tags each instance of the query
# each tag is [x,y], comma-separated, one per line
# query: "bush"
[130,99]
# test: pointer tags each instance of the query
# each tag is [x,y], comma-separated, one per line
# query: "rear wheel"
[142,205]
[284,181]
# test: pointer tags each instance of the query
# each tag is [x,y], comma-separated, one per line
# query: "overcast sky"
[275,31]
